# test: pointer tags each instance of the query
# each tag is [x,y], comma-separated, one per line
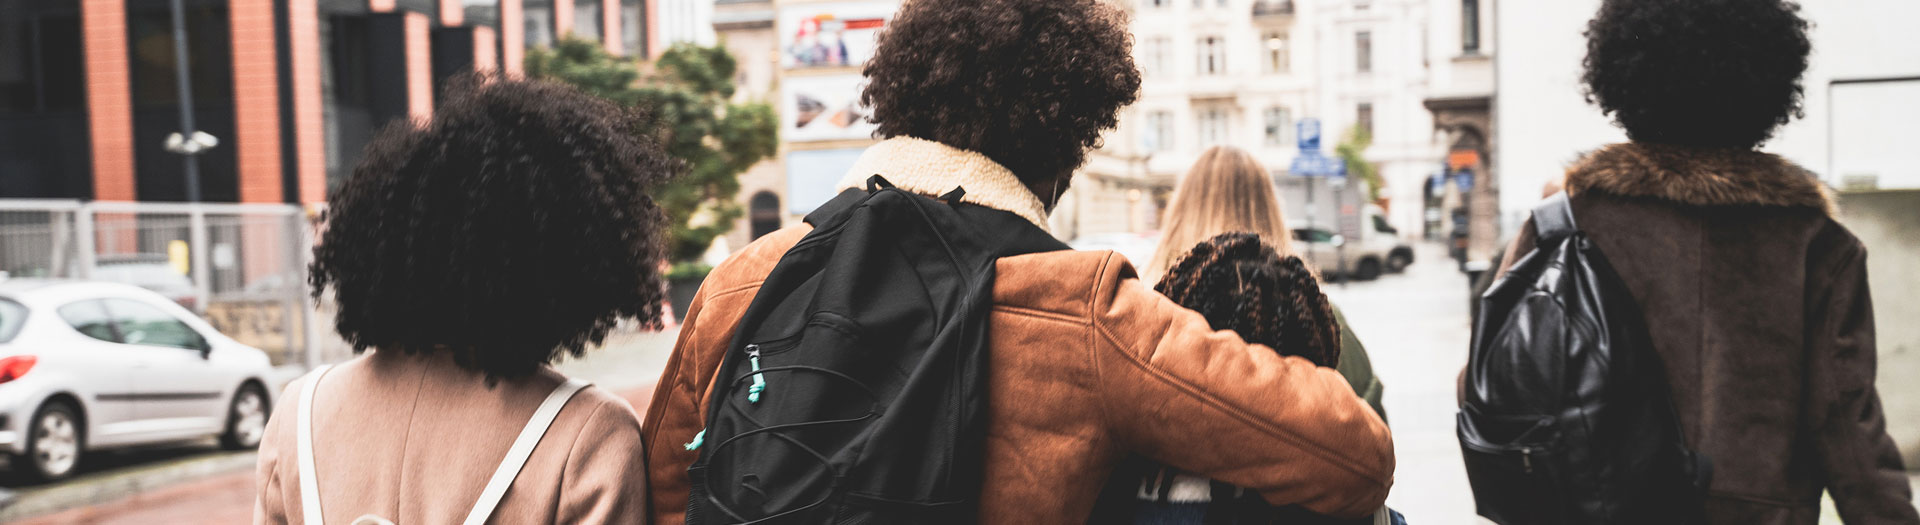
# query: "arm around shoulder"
[1206,402]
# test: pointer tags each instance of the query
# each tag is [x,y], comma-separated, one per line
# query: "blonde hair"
[1227,190]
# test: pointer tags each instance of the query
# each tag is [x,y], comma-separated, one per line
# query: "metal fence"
[241,266]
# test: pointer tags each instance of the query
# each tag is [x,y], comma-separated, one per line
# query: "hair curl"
[1713,73]
[1028,83]
[1240,283]
[512,227]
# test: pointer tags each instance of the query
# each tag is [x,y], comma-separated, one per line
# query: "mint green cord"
[697,439]
[759,382]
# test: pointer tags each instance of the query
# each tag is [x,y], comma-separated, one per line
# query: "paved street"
[1414,325]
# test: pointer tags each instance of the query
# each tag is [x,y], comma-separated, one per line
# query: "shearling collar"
[1698,176]
[931,168]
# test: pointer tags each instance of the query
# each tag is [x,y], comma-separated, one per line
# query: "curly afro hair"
[1028,83]
[1711,73]
[512,227]
[1239,283]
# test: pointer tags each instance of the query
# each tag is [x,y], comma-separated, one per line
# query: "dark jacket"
[1757,302]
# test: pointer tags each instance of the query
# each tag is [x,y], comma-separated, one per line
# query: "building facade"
[293,89]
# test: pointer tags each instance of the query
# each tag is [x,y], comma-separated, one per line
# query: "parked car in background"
[1377,250]
[86,366]
[154,273]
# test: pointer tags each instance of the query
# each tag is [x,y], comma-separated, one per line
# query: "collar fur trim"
[931,168]
[1698,176]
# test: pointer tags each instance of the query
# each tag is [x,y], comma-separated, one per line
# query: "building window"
[1213,126]
[1212,59]
[539,22]
[1159,133]
[588,18]
[1363,51]
[1153,56]
[1278,122]
[1364,118]
[1278,59]
[1155,3]
[1470,26]
[763,213]
[633,26]
[482,12]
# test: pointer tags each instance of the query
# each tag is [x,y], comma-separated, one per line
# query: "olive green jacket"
[1357,368]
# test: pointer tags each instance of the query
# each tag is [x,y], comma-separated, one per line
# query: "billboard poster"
[812,174]
[823,108]
[831,34]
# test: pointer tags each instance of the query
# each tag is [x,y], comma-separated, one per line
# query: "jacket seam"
[1100,327]
[1023,311]
[1092,359]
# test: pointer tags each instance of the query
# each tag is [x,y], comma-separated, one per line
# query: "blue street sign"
[1308,129]
[1313,164]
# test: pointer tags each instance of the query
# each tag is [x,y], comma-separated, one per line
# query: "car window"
[12,317]
[1380,225]
[1313,235]
[144,324]
[89,318]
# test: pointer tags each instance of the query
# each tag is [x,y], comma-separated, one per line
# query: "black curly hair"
[1028,83]
[1239,283]
[510,228]
[1712,73]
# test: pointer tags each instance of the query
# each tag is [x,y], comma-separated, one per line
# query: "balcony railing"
[1273,8]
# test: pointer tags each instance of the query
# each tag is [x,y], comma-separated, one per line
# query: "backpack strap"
[1553,218]
[309,486]
[521,450]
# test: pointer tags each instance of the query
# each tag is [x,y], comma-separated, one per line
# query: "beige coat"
[413,439]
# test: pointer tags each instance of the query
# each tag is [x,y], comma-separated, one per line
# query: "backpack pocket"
[1514,466]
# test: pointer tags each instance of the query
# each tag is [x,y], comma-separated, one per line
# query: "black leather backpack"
[1568,417]
[854,390]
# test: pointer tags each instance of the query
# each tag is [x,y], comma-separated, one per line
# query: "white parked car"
[86,366]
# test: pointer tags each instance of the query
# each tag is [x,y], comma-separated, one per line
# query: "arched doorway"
[763,213]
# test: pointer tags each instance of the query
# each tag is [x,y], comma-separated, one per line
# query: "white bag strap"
[309,487]
[521,450]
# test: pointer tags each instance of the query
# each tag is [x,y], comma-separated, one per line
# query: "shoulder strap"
[522,448]
[309,486]
[1553,218]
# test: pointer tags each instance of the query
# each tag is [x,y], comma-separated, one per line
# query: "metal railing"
[245,265]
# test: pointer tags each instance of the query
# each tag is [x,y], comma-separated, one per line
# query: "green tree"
[1353,150]
[688,90]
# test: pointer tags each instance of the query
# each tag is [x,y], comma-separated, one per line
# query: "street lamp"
[189,143]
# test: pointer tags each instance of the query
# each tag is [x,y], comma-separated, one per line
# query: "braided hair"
[1240,283]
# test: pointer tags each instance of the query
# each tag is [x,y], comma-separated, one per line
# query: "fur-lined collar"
[1698,176]
[931,168]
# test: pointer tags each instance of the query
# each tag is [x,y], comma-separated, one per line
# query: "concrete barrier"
[1888,222]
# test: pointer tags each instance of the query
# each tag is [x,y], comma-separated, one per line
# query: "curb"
[106,487]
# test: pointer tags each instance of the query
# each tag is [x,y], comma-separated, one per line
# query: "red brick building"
[293,89]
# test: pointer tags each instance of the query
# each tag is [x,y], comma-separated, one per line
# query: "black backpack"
[1568,417]
[854,390]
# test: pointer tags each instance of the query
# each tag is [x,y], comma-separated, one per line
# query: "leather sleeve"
[678,408]
[605,480]
[1206,402]
[1862,464]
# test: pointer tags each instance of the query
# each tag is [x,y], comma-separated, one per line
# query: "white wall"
[1543,121]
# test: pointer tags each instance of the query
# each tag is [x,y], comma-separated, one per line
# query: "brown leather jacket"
[1757,303]
[1088,364]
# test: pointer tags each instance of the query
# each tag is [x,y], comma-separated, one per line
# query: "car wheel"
[1398,262]
[1369,270]
[55,441]
[246,418]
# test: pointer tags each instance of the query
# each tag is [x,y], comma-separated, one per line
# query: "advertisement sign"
[812,174]
[823,108]
[832,34]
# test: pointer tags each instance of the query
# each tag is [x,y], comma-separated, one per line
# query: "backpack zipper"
[759,379]
[1526,459]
